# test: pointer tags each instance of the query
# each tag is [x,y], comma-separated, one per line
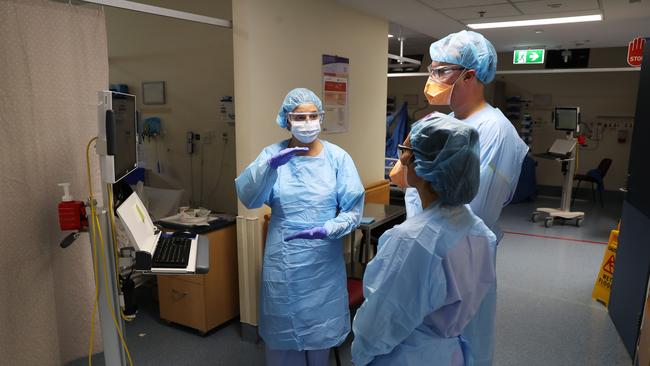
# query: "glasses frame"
[439,69]
[307,114]
[403,148]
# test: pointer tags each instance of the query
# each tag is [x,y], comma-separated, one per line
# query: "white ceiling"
[420,21]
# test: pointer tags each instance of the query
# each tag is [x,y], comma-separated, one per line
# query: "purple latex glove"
[285,155]
[314,233]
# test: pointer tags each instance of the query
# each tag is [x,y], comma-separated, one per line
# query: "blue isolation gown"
[502,154]
[428,279]
[304,300]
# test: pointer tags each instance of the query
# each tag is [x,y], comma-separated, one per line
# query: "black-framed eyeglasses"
[443,72]
[404,148]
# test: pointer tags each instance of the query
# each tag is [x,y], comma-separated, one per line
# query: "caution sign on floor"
[603,284]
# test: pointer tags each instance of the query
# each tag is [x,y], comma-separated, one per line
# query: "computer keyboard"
[172,252]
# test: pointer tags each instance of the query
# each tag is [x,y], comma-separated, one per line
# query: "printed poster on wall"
[335,93]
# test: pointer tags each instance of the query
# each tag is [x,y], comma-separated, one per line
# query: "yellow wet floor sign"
[603,284]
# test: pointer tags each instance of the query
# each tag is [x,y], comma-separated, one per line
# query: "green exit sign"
[523,57]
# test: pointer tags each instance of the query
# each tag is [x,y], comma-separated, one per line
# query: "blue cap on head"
[295,98]
[468,49]
[447,155]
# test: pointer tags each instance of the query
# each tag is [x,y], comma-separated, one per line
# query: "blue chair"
[594,176]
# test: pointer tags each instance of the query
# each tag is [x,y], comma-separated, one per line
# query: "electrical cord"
[203,143]
[94,251]
[191,178]
[108,298]
[96,229]
[116,274]
[216,185]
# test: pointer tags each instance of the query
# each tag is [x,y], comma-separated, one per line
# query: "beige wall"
[604,98]
[196,62]
[278,46]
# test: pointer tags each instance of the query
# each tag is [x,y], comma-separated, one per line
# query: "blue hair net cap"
[468,49]
[447,155]
[295,98]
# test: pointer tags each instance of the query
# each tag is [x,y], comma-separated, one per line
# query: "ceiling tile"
[556,6]
[447,4]
[473,13]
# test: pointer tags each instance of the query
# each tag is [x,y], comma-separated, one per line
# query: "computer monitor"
[118,133]
[566,118]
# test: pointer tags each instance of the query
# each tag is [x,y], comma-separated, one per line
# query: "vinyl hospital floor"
[545,314]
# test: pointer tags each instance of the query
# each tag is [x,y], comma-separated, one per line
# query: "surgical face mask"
[398,175]
[305,132]
[438,93]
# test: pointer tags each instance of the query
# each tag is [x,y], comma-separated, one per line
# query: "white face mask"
[305,132]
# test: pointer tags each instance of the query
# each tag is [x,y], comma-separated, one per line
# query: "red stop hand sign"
[635,52]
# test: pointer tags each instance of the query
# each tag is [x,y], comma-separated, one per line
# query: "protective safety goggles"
[443,72]
[305,116]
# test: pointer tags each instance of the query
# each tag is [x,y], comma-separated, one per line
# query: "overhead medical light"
[545,21]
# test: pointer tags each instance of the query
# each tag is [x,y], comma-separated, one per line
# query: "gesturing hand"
[285,155]
[314,233]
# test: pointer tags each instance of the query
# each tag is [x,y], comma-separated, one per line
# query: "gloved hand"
[314,233]
[285,155]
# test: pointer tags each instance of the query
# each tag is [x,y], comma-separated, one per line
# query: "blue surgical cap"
[447,155]
[295,98]
[468,49]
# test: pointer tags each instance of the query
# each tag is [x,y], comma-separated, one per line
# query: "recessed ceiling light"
[390,35]
[545,21]
[539,31]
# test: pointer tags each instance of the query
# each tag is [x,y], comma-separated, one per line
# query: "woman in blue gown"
[316,198]
[432,272]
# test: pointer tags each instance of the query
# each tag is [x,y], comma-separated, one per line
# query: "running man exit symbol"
[523,57]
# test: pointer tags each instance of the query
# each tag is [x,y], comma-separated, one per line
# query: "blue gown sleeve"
[350,194]
[255,184]
[412,202]
[402,285]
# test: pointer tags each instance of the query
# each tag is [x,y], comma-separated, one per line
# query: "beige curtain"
[53,60]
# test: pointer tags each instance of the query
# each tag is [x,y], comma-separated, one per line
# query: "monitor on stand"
[566,118]
[118,137]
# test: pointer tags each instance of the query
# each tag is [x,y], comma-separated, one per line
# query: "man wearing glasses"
[462,64]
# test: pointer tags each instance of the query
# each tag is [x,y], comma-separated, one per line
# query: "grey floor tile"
[545,314]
